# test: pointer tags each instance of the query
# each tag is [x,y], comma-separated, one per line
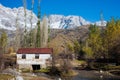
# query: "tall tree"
[77,47]
[17,35]
[38,35]
[31,44]
[3,40]
[94,40]
[25,29]
[48,33]
[44,32]
[112,36]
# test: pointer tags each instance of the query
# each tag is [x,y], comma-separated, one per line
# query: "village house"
[34,58]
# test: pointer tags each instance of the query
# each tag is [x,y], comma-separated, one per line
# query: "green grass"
[6,77]
[80,61]
[43,70]
[112,67]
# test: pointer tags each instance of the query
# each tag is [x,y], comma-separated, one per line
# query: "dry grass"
[78,62]
[39,78]
[27,76]
[35,78]
[6,77]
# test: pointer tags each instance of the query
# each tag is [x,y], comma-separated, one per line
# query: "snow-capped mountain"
[9,16]
[71,21]
[66,22]
[99,23]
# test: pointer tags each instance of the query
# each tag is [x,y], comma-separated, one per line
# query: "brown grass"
[6,77]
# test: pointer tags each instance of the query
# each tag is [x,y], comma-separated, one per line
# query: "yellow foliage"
[60,44]
[10,50]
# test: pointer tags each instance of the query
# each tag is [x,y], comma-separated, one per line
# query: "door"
[36,67]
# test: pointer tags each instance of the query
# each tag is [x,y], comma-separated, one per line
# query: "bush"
[54,71]
[68,74]
[105,66]
[42,70]
[99,66]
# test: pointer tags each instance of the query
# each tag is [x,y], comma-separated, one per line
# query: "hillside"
[79,33]
[62,38]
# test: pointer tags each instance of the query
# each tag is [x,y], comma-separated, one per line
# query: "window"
[36,56]
[23,56]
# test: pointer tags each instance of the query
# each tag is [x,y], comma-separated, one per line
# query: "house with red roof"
[34,58]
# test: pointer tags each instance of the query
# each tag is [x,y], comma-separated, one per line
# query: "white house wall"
[30,59]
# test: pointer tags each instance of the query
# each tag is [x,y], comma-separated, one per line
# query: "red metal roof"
[35,51]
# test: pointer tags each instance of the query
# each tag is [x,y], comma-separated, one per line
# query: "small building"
[34,58]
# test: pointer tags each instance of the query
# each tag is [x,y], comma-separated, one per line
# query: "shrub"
[24,70]
[68,74]
[105,66]
[42,70]
[99,66]
[54,71]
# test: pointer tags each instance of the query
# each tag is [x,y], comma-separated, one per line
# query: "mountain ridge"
[8,18]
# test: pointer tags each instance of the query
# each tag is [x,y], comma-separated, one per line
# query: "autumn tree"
[94,40]
[88,52]
[70,48]
[112,38]
[77,48]
[93,45]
